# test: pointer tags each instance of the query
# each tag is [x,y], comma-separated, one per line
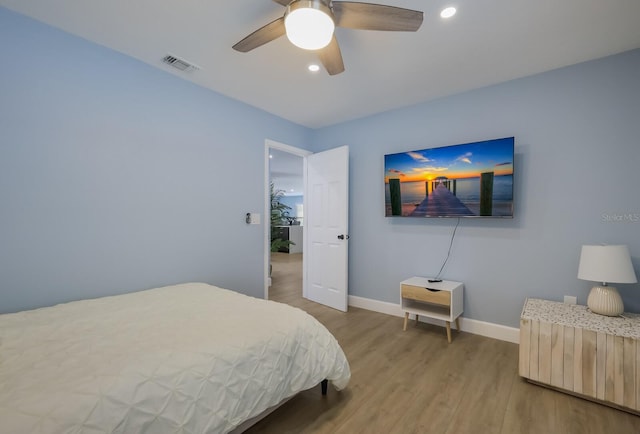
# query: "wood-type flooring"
[415,382]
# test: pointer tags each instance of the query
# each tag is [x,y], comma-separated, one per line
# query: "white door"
[326,223]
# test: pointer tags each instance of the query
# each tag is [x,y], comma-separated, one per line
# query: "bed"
[190,358]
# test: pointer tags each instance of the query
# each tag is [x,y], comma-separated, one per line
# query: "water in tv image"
[467,180]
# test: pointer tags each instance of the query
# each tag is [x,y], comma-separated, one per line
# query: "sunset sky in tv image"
[454,162]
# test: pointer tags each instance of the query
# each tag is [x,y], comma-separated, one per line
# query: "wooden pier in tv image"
[441,200]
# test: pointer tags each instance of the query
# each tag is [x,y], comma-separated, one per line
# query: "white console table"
[439,300]
[569,348]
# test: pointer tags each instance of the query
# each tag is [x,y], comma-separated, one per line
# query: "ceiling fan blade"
[331,57]
[367,16]
[265,34]
[283,2]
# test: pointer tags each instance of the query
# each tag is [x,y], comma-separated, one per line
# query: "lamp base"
[605,300]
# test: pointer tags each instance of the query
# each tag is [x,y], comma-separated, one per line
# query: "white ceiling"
[487,42]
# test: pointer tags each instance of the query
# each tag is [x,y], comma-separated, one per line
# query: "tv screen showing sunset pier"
[467,180]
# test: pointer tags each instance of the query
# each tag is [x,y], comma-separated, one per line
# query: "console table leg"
[406,317]
[416,323]
[448,331]
[458,324]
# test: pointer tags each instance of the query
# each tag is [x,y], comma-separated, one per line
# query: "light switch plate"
[253,218]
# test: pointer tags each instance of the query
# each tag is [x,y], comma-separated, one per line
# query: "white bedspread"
[188,358]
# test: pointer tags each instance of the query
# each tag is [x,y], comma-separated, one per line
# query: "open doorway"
[284,167]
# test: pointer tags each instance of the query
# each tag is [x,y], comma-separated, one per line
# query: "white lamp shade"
[308,26]
[606,264]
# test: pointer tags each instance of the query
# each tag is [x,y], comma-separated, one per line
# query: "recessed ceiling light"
[270,156]
[448,12]
[314,68]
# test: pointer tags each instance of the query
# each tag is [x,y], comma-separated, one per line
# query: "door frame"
[272,144]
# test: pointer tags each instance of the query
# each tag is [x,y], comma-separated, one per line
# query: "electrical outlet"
[570,299]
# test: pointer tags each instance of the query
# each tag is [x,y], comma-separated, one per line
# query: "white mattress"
[188,358]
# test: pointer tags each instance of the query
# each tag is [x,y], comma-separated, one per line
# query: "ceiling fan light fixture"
[309,24]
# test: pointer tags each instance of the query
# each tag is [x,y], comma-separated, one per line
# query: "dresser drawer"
[419,293]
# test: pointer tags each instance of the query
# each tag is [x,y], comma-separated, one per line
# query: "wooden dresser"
[573,350]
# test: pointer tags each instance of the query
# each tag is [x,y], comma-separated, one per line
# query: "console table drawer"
[425,295]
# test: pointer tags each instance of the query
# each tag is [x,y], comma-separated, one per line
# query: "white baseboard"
[482,328]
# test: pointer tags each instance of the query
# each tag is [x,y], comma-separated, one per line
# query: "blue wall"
[293,202]
[577,134]
[116,176]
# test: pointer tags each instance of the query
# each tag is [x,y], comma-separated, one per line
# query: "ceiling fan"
[310,24]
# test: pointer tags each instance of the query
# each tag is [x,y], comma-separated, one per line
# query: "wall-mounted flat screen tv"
[466,180]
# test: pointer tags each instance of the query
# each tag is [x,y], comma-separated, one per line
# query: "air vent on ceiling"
[179,63]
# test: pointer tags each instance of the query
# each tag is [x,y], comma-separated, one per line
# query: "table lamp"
[606,264]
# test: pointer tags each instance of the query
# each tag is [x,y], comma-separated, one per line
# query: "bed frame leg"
[324,385]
